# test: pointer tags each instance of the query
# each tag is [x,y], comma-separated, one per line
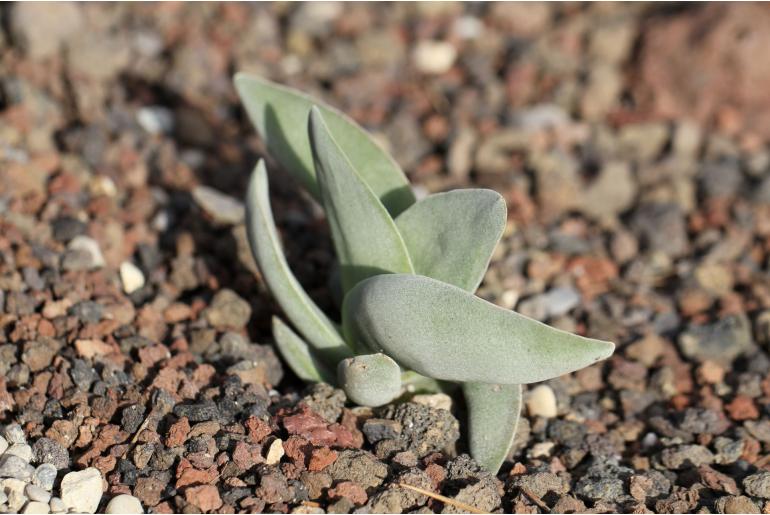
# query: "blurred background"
[629,140]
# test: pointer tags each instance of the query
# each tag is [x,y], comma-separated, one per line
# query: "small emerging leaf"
[451,236]
[280,114]
[370,379]
[298,355]
[365,236]
[444,332]
[265,245]
[493,414]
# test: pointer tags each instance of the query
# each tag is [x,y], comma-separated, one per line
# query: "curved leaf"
[308,318]
[280,114]
[370,379]
[298,355]
[451,236]
[493,414]
[441,331]
[365,236]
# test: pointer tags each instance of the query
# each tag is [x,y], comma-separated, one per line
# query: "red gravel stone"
[742,408]
[205,497]
[321,458]
[349,490]
[177,433]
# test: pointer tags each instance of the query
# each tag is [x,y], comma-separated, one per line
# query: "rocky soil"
[136,366]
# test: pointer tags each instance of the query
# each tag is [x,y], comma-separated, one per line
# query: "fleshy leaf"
[370,379]
[365,237]
[298,355]
[300,309]
[441,331]
[280,115]
[451,236]
[493,414]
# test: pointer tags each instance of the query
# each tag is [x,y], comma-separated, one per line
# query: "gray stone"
[44,476]
[46,450]
[358,466]
[14,434]
[604,481]
[15,467]
[83,253]
[223,209]
[758,485]
[736,504]
[686,456]
[228,310]
[424,429]
[722,341]
[377,429]
[661,227]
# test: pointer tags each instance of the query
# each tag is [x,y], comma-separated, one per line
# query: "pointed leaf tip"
[441,331]
[365,237]
[279,114]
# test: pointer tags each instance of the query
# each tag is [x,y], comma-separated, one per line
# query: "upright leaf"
[280,114]
[298,355]
[265,245]
[441,331]
[365,236]
[451,236]
[493,414]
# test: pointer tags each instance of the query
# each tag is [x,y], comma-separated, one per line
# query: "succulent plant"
[408,271]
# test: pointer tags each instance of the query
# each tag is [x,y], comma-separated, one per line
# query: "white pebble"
[541,402]
[44,476]
[124,503]
[274,452]
[434,57]
[36,507]
[35,493]
[541,449]
[14,489]
[3,497]
[90,247]
[14,434]
[21,450]
[131,277]
[57,505]
[434,400]
[3,444]
[155,119]
[81,491]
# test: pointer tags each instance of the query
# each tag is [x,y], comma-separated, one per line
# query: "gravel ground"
[629,141]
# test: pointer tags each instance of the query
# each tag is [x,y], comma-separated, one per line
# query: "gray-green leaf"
[365,237]
[493,414]
[298,355]
[300,309]
[370,379]
[444,332]
[280,114]
[451,236]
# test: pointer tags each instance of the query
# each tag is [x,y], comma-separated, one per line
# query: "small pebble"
[124,503]
[81,491]
[131,277]
[223,209]
[35,493]
[83,253]
[57,505]
[14,434]
[275,452]
[541,402]
[15,467]
[44,476]
[3,444]
[434,57]
[21,450]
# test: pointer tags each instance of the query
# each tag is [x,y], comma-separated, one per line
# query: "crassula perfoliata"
[408,271]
